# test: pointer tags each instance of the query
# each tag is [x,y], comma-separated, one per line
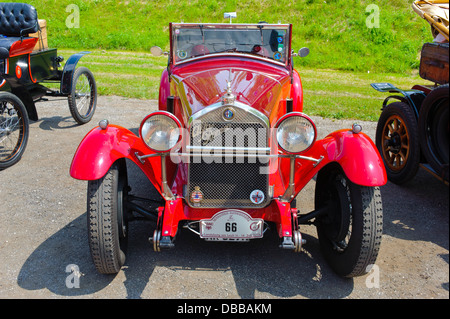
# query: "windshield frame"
[286,48]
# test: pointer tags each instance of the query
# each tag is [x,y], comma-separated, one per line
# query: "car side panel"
[297,92]
[164,90]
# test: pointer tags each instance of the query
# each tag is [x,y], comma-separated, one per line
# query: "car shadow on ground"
[57,123]
[418,211]
[258,266]
[428,198]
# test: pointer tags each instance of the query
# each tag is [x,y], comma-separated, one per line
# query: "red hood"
[256,83]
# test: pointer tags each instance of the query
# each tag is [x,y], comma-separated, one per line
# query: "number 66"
[231,227]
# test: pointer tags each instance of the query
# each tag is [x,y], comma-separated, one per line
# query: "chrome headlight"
[296,132]
[160,131]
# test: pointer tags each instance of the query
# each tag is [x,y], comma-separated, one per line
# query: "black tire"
[14,129]
[350,233]
[397,140]
[83,96]
[434,129]
[107,219]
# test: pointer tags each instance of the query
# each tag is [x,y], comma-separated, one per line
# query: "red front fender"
[101,148]
[355,153]
[358,157]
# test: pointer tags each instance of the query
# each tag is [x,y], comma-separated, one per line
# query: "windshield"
[265,40]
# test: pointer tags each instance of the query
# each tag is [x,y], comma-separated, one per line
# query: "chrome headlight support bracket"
[289,194]
[165,189]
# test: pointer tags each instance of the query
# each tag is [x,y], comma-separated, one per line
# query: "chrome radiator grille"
[224,169]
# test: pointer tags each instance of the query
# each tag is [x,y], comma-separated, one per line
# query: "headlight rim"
[285,117]
[171,116]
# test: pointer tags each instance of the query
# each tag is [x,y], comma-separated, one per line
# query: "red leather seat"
[199,49]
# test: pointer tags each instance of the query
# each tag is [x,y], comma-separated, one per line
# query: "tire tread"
[105,250]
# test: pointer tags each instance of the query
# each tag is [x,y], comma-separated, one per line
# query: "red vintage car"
[228,151]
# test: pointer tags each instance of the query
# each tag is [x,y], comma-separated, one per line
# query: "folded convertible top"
[436,13]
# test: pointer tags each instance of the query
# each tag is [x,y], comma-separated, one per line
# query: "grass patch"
[346,55]
[128,74]
[327,93]
[348,95]
[334,30]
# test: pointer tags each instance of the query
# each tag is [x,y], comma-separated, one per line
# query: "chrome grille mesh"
[214,134]
[228,181]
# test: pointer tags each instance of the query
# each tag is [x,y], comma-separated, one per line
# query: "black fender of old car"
[68,71]
[413,97]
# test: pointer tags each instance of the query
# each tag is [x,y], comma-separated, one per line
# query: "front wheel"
[350,233]
[14,129]
[83,96]
[397,141]
[107,219]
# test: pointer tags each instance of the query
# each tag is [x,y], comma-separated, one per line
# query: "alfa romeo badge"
[228,114]
[257,196]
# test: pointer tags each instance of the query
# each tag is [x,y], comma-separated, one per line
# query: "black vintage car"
[26,66]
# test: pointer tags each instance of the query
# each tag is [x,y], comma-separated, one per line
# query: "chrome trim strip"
[238,154]
[315,160]
[260,150]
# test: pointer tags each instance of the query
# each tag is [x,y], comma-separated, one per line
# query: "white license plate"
[231,224]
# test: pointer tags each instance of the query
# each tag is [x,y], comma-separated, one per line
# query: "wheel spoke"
[391,159]
[398,160]
[395,124]
[390,127]
[83,95]
[11,127]
[395,141]
[405,146]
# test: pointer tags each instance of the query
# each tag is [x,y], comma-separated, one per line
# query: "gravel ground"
[43,234]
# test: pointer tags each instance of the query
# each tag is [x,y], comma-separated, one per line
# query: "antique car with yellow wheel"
[413,131]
